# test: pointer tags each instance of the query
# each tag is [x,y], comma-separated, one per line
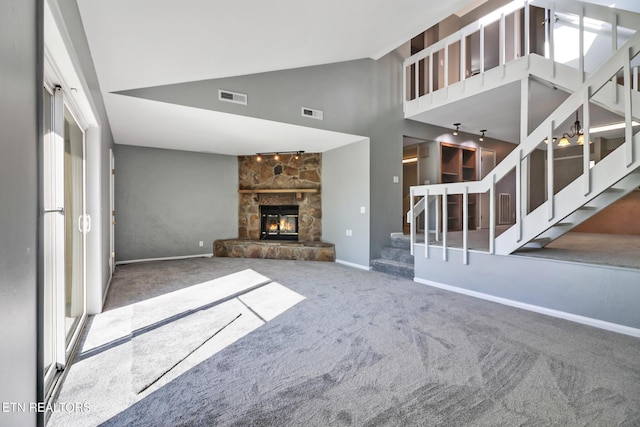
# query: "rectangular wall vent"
[235,97]
[311,113]
[504,208]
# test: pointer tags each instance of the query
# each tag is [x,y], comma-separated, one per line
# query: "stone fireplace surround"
[287,181]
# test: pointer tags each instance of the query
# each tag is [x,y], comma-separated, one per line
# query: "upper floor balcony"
[560,41]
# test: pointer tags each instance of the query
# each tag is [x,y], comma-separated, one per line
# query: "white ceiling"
[144,43]
[163,125]
[473,116]
[502,120]
[156,42]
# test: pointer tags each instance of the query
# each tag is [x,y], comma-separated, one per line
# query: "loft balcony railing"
[613,77]
[561,30]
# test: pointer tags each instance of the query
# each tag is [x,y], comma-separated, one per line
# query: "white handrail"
[465,31]
[581,10]
[460,36]
[596,81]
[621,59]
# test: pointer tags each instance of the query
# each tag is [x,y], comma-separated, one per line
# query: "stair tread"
[395,248]
[401,244]
[407,237]
[403,241]
[391,262]
[392,267]
[397,254]
[399,235]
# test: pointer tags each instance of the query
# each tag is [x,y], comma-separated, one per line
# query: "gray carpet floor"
[356,348]
[593,248]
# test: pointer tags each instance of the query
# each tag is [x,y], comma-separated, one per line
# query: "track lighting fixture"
[276,154]
[482,136]
[455,132]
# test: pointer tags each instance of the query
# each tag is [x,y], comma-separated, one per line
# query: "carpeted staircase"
[396,259]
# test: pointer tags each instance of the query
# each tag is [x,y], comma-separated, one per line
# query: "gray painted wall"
[386,152]
[358,97]
[343,194]
[605,293]
[20,121]
[167,201]
[344,91]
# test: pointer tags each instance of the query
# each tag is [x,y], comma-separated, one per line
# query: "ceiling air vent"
[311,113]
[235,97]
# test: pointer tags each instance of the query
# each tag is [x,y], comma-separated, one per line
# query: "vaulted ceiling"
[146,43]
[143,45]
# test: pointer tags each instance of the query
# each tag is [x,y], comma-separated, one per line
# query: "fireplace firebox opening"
[279,222]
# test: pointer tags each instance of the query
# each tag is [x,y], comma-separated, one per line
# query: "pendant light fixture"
[575,130]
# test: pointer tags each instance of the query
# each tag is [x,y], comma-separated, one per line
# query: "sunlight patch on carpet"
[271,300]
[174,332]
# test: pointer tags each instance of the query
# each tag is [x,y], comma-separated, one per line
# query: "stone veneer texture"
[307,251]
[286,173]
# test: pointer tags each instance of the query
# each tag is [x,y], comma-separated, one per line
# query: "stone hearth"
[307,251]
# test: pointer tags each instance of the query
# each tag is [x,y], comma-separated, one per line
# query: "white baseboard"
[351,264]
[132,261]
[614,327]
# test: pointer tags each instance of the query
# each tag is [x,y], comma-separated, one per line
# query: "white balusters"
[586,152]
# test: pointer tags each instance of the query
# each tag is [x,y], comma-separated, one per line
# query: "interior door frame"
[54,276]
[63,78]
[84,224]
[484,198]
[112,213]
[54,241]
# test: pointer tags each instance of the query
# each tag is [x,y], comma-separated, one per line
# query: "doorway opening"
[415,171]
[66,225]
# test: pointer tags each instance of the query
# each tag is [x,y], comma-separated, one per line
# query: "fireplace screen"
[279,222]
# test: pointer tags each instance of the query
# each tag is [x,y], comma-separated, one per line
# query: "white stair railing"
[621,60]
[426,55]
[420,85]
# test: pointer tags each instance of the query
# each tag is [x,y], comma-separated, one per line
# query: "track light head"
[276,154]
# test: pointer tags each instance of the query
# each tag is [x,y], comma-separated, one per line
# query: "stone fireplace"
[284,182]
[279,210]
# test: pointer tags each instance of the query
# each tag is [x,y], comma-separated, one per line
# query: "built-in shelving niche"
[458,164]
